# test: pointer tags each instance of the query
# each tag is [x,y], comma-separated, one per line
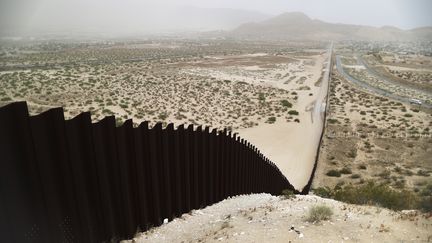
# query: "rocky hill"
[298,26]
[266,218]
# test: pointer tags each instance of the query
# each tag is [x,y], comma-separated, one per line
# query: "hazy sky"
[148,15]
[400,13]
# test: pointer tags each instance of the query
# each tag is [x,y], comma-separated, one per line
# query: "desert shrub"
[385,174]
[352,153]
[271,119]
[288,194]
[333,173]
[332,121]
[398,169]
[362,167]
[163,116]
[345,171]
[399,184]
[408,115]
[355,176]
[422,173]
[318,213]
[425,202]
[323,192]
[107,111]
[119,122]
[286,103]
[407,173]
[376,194]
[427,190]
[293,112]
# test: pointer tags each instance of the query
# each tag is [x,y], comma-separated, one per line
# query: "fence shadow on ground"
[78,181]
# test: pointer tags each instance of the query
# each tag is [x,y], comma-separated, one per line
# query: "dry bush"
[318,213]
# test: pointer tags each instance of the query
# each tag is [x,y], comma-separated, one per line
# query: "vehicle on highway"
[415,101]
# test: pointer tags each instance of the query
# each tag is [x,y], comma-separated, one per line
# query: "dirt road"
[293,146]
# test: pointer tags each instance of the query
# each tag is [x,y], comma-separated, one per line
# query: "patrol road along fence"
[78,181]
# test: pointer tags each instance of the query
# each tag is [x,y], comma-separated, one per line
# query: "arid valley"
[281,129]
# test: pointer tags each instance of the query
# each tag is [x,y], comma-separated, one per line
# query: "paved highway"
[377,75]
[374,89]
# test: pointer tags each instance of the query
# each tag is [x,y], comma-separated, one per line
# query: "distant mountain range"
[138,18]
[298,26]
[120,19]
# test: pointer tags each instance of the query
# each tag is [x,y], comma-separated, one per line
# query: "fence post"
[235,164]
[229,169]
[49,136]
[193,170]
[83,166]
[254,169]
[222,165]
[142,178]
[149,139]
[241,166]
[188,146]
[217,167]
[128,182]
[257,170]
[104,138]
[168,169]
[239,171]
[199,153]
[23,212]
[205,166]
[212,166]
[177,180]
[158,170]
[105,153]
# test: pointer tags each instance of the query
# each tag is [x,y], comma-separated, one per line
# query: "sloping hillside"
[298,26]
[266,218]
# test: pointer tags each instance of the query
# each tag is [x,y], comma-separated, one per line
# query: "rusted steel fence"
[78,181]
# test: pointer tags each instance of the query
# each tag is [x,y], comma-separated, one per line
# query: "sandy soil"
[292,146]
[376,139]
[240,88]
[265,218]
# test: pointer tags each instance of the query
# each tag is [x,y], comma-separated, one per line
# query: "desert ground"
[262,91]
[284,138]
[267,93]
[266,218]
[370,137]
